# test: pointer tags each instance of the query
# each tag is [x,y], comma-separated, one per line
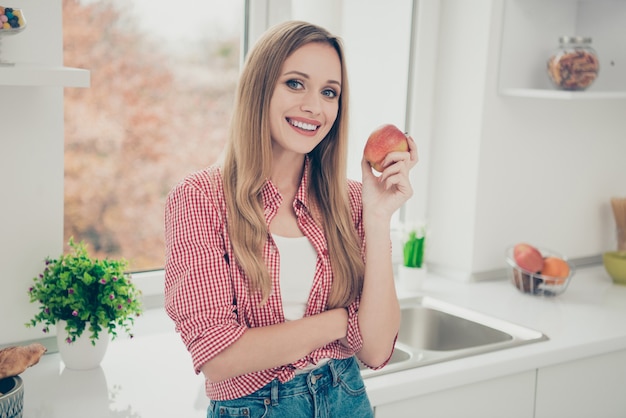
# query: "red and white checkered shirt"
[207,294]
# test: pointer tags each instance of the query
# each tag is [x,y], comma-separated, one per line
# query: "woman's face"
[305,101]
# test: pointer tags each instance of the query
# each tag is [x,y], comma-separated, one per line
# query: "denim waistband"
[312,366]
[325,374]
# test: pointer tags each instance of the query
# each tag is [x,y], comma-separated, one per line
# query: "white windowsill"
[151,283]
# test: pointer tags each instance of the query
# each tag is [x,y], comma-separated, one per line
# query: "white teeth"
[302,125]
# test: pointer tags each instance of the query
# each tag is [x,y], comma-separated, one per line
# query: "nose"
[311,103]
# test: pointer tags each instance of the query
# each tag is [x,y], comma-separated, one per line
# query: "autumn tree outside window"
[156,110]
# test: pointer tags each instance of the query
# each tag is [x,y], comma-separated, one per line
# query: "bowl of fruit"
[12,22]
[538,271]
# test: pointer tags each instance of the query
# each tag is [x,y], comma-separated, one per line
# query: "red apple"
[385,139]
[528,257]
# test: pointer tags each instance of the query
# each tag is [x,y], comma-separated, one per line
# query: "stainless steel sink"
[433,331]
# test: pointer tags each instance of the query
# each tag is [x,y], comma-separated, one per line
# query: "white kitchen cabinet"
[530,33]
[591,387]
[510,396]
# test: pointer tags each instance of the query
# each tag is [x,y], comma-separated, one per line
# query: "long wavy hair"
[248,162]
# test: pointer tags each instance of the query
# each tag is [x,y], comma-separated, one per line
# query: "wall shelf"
[43,75]
[530,33]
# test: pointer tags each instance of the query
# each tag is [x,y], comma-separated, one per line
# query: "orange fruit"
[556,269]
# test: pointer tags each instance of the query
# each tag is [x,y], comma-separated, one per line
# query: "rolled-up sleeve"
[199,291]
[355,340]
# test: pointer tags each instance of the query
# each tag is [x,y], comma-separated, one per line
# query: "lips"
[308,126]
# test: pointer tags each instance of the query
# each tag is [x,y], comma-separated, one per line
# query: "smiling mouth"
[302,125]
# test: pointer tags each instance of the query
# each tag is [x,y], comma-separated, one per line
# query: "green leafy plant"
[413,250]
[85,292]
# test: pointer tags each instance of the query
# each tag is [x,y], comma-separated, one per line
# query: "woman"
[269,279]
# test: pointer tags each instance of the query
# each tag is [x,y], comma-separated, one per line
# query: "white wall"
[31,168]
[508,169]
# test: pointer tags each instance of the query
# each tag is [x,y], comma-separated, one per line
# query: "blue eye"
[329,93]
[294,84]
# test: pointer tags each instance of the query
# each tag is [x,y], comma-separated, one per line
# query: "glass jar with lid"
[574,65]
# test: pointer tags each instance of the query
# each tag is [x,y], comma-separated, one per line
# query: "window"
[163,80]
[163,76]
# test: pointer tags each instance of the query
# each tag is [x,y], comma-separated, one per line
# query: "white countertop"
[151,375]
[586,320]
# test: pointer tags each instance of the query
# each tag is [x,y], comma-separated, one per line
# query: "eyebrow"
[304,75]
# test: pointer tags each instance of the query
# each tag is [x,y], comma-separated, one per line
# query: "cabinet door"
[592,387]
[511,396]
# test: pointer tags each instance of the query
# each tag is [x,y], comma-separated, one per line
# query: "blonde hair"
[248,161]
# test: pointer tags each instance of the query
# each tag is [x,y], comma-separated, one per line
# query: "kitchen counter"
[585,321]
[151,375]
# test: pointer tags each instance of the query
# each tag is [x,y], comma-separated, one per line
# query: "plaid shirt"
[208,297]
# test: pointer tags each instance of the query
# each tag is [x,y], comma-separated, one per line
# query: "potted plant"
[412,271]
[80,294]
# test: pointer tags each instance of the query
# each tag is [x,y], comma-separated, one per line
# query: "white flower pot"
[411,278]
[81,354]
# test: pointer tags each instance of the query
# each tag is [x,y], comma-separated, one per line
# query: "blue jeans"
[333,390]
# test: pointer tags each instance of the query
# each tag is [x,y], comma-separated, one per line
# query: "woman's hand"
[379,310]
[384,194]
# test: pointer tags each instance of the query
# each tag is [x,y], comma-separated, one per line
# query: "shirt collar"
[272,197]
[303,192]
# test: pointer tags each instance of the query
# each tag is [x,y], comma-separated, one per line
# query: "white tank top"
[297,269]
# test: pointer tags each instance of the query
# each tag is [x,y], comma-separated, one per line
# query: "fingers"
[396,173]
[394,163]
[414,158]
[396,179]
[397,166]
[409,157]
